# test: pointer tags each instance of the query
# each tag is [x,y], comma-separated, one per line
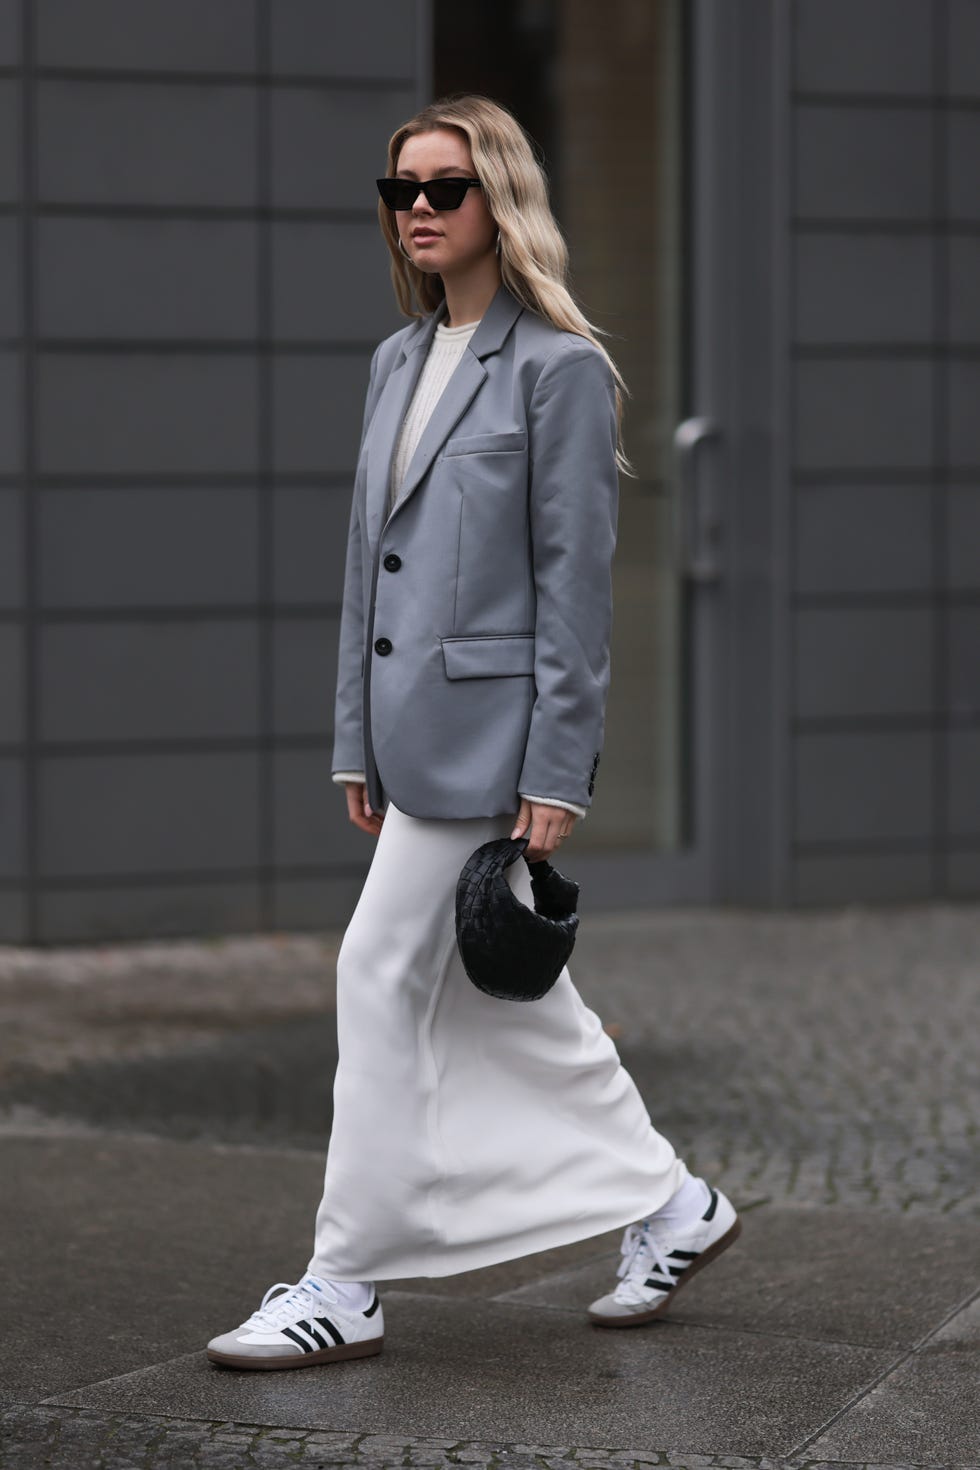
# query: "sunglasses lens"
[397,193]
[441,193]
[446,193]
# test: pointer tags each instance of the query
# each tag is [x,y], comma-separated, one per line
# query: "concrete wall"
[885,433]
[191,285]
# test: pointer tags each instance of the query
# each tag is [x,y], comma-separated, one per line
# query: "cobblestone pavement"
[812,1059]
[34,1437]
[808,1058]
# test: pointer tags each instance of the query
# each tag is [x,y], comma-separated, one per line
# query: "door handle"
[697,526]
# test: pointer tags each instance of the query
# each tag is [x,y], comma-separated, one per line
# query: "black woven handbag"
[508,950]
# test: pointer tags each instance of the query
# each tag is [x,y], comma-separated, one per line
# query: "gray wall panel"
[188,470]
[864,787]
[10,141]
[963,150]
[864,288]
[963,303]
[330,900]
[96,912]
[125,278]
[11,683]
[130,143]
[11,284]
[13,916]
[310,544]
[331,38]
[133,814]
[331,282]
[11,548]
[329,147]
[304,705]
[864,414]
[177,547]
[152,681]
[847,878]
[318,410]
[155,35]
[838,46]
[963,449]
[964,663]
[312,825]
[963,869]
[885,433]
[963,792]
[10,32]
[11,413]
[860,662]
[963,66]
[964,537]
[864,538]
[863,163]
[12,778]
[143,412]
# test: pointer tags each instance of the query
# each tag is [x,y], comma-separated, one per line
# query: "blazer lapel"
[466,378]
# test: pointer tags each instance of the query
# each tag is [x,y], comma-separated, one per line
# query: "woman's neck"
[467,297]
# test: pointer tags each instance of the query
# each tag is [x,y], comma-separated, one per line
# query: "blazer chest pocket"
[485,443]
[488,655]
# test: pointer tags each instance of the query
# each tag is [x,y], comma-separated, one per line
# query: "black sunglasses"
[446,193]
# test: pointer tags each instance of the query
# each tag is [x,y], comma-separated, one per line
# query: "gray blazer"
[473,658]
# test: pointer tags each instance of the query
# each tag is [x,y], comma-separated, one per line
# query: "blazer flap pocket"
[485,443]
[489,654]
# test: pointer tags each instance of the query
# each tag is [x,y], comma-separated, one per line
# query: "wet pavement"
[164,1112]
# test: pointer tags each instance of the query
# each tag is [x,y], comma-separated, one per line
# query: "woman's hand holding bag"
[544,826]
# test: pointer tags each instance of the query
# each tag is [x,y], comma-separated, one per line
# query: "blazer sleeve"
[574,505]
[348,724]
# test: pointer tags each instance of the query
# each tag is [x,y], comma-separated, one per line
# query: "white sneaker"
[659,1257]
[307,1325]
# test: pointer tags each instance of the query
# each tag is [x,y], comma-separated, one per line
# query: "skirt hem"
[476,1257]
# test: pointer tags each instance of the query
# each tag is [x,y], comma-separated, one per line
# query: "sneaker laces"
[299,1301]
[641,1249]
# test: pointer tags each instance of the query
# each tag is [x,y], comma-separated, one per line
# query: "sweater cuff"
[568,806]
[341,776]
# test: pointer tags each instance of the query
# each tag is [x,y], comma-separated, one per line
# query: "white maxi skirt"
[467,1130]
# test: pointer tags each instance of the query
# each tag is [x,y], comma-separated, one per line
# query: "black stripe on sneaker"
[370,1311]
[685,1255]
[709,1213]
[331,1328]
[660,1285]
[308,1327]
[300,1341]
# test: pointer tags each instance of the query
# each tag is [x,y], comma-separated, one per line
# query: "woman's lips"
[424,236]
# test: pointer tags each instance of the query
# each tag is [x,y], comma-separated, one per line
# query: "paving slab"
[927,1411]
[138,1249]
[147,1247]
[493,1371]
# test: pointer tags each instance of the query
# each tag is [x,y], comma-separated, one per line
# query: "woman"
[473,671]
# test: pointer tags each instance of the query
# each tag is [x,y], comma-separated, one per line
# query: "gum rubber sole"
[634,1319]
[365,1349]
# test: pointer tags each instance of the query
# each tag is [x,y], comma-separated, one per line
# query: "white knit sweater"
[447,347]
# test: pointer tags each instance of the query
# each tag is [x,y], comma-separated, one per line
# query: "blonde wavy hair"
[533,252]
